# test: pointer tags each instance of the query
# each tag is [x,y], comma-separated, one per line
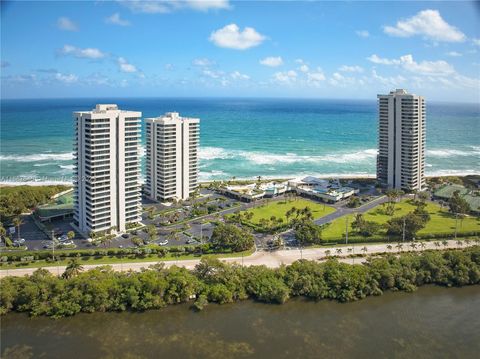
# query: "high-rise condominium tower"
[107,167]
[172,156]
[401,152]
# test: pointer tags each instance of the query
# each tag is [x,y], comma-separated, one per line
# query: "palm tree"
[467,241]
[364,249]
[71,235]
[445,243]
[328,252]
[459,242]
[3,231]
[17,222]
[339,250]
[399,246]
[436,244]
[73,269]
[413,245]
[349,250]
[389,247]
[423,245]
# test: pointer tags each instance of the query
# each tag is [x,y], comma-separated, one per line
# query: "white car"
[63,238]
[164,242]
[66,243]
[20,241]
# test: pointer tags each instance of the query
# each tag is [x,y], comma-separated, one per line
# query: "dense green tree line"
[21,199]
[102,289]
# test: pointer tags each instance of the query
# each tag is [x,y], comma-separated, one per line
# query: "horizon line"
[224,97]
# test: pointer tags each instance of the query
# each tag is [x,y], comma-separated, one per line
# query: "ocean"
[242,138]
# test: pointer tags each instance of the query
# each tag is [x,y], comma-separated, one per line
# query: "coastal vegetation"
[23,199]
[102,289]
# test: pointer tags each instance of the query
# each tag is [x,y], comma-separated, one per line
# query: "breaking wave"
[66,156]
[265,158]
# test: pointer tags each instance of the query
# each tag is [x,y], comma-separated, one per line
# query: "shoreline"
[272,178]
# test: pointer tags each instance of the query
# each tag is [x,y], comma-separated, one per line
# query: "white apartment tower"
[172,156]
[401,143]
[107,168]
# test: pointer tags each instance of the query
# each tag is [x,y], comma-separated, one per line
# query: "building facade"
[401,140]
[172,156]
[107,192]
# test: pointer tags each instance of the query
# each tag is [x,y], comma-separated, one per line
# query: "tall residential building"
[107,168]
[172,156]
[401,151]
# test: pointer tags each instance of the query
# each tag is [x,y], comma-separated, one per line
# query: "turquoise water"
[243,137]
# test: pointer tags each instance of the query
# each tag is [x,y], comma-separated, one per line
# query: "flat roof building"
[401,140]
[172,156]
[107,190]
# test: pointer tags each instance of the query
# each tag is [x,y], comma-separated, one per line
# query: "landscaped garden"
[441,223]
[276,215]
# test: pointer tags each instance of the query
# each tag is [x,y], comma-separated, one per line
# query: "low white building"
[255,191]
[329,190]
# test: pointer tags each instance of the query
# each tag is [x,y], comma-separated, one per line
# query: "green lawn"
[279,208]
[441,221]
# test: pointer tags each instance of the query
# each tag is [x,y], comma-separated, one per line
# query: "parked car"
[66,243]
[63,238]
[191,241]
[125,235]
[164,242]
[21,241]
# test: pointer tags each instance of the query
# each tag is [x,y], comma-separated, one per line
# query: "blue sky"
[253,49]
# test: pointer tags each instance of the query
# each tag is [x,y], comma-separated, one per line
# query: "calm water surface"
[431,323]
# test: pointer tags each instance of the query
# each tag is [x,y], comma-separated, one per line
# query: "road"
[342,211]
[270,259]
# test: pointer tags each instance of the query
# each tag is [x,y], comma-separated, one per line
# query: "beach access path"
[273,259]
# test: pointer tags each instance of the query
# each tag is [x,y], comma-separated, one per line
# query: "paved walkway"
[270,259]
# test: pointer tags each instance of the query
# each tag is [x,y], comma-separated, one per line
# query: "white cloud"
[115,19]
[427,67]
[236,75]
[394,81]
[205,5]
[169,67]
[163,7]
[454,54]
[378,60]
[64,23]
[476,42]
[429,24]
[89,53]
[202,62]
[362,33]
[286,76]
[346,68]
[212,73]
[272,61]
[407,62]
[66,78]
[304,68]
[231,37]
[338,79]
[315,77]
[125,66]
